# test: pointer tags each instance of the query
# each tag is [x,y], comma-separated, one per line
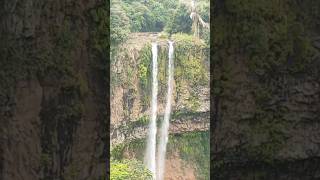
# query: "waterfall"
[150,158]
[165,124]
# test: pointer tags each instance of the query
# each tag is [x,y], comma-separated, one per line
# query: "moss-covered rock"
[264,78]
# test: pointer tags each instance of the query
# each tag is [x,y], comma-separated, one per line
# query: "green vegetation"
[137,147]
[191,66]
[144,73]
[171,19]
[169,16]
[128,169]
[119,23]
[182,14]
[191,70]
[148,16]
[192,147]
[144,67]
[117,151]
[140,122]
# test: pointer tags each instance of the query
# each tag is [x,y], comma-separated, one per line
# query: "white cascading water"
[150,158]
[165,124]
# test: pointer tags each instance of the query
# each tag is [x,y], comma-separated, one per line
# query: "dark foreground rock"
[53,101]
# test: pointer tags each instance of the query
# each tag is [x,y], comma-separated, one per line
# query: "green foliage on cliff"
[144,73]
[129,169]
[145,66]
[117,151]
[142,121]
[191,58]
[191,67]
[194,148]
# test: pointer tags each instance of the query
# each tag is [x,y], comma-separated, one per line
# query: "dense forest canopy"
[171,16]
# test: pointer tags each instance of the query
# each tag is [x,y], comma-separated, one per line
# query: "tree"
[119,23]
[180,22]
[197,20]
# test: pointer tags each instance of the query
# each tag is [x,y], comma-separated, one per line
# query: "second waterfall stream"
[164,132]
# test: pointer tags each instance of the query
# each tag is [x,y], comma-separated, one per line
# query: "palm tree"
[196,20]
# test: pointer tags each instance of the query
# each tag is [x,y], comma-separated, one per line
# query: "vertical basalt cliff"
[53,89]
[265,89]
[187,154]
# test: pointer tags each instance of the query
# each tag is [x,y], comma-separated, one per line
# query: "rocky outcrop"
[183,123]
[53,92]
[128,98]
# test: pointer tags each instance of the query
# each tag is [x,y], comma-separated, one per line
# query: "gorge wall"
[188,148]
[265,87]
[53,98]
[131,83]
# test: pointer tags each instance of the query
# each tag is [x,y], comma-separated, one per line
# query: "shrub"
[129,170]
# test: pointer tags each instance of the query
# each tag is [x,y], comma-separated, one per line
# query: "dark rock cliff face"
[265,87]
[53,89]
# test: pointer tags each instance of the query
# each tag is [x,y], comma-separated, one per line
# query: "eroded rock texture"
[53,81]
[131,87]
[193,122]
[265,87]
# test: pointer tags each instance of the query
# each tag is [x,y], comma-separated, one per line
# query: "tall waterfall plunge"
[150,158]
[157,170]
[164,132]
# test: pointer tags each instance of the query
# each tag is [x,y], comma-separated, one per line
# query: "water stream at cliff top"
[164,132]
[150,158]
